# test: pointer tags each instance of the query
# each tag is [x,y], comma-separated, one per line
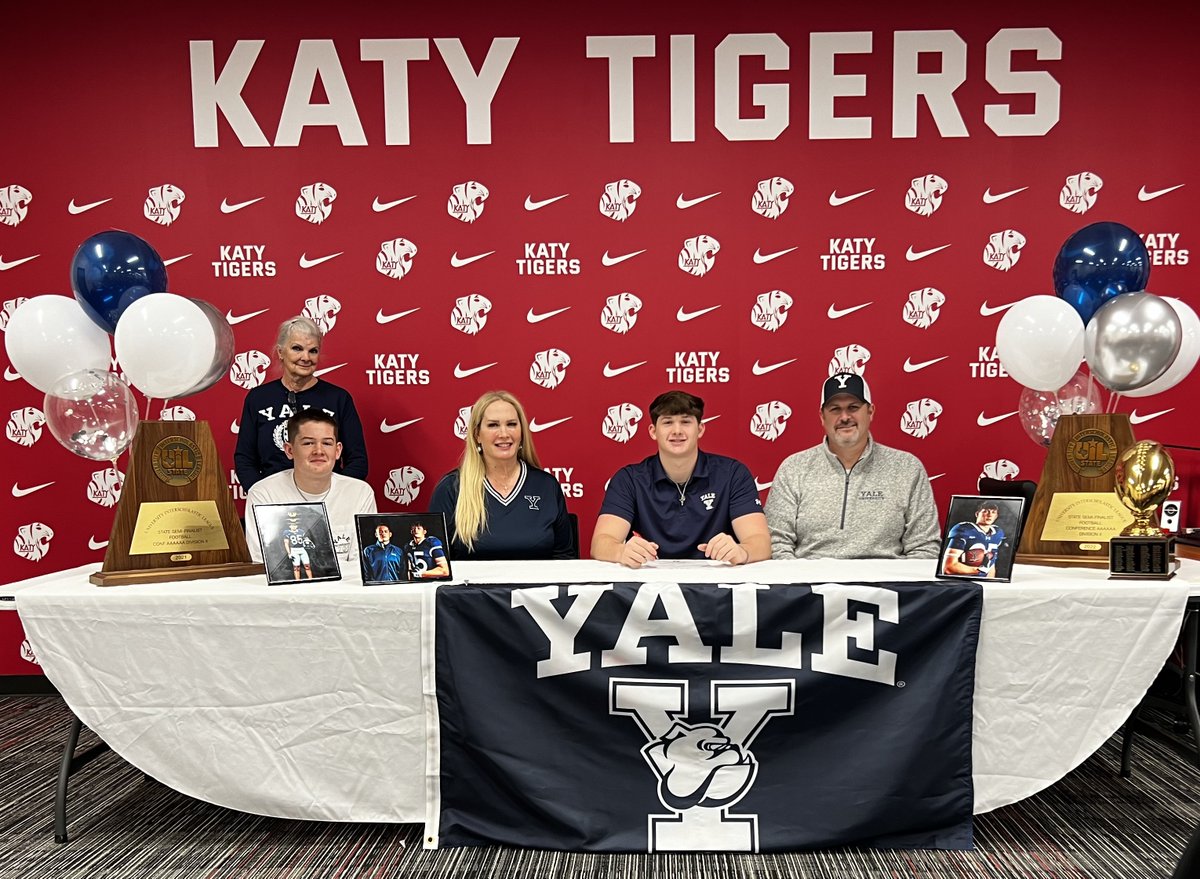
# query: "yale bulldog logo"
[620,312]
[849,358]
[620,424]
[248,369]
[698,255]
[25,426]
[33,541]
[770,199]
[10,307]
[924,307]
[177,413]
[620,200]
[461,422]
[549,368]
[920,418]
[105,487]
[924,195]
[315,202]
[322,310]
[770,311]
[14,204]
[1002,469]
[470,313]
[699,766]
[1079,192]
[403,485]
[466,201]
[1003,249]
[769,420]
[27,652]
[395,257]
[162,204]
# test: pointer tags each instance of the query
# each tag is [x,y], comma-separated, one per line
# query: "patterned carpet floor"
[1091,824]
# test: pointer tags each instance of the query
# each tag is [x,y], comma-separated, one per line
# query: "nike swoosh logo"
[306,263]
[381,318]
[73,208]
[10,375]
[531,205]
[984,421]
[17,491]
[5,266]
[761,486]
[175,259]
[384,427]
[939,476]
[234,427]
[535,318]
[682,315]
[709,418]
[909,366]
[1134,418]
[761,258]
[380,206]
[227,208]
[459,262]
[914,255]
[987,311]
[1143,195]
[93,543]
[836,200]
[685,203]
[327,369]
[613,260]
[459,372]
[233,320]
[988,198]
[763,370]
[538,428]
[613,371]
[835,312]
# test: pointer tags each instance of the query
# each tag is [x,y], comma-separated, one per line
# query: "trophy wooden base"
[1061,561]
[171,575]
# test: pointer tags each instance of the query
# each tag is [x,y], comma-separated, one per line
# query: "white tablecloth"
[306,701]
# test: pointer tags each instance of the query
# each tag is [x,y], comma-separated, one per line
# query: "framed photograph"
[402,547]
[981,537]
[296,541]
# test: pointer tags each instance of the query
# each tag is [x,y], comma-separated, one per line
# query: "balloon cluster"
[168,346]
[1134,343]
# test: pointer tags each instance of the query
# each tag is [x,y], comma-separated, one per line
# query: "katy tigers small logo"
[105,487]
[1003,249]
[10,306]
[248,369]
[924,194]
[924,307]
[920,417]
[1079,192]
[620,313]
[620,200]
[395,258]
[315,202]
[462,422]
[770,311]
[1002,469]
[620,424]
[698,255]
[322,310]
[177,413]
[549,368]
[466,201]
[33,541]
[849,358]
[163,203]
[14,204]
[25,426]
[403,485]
[770,419]
[469,314]
[770,199]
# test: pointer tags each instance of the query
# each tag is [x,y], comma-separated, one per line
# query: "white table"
[306,701]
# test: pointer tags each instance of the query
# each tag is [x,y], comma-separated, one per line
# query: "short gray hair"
[301,326]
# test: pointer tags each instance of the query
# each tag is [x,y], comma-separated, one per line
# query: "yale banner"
[688,717]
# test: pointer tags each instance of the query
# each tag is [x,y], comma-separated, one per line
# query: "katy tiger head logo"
[924,307]
[698,255]
[920,417]
[315,202]
[33,541]
[163,203]
[770,310]
[403,485]
[10,307]
[395,258]
[14,204]
[770,199]
[924,194]
[177,413]
[469,314]
[619,200]
[322,310]
[549,368]
[462,422]
[770,419]
[105,487]
[1079,192]
[620,313]
[849,358]
[1003,249]
[25,426]
[466,201]
[248,369]
[1002,469]
[620,424]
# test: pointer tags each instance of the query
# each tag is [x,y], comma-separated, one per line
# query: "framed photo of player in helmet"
[297,543]
[981,536]
[402,547]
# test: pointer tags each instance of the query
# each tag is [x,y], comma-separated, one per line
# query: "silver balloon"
[1131,340]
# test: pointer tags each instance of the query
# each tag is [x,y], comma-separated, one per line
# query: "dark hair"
[412,529]
[310,416]
[676,403]
[987,505]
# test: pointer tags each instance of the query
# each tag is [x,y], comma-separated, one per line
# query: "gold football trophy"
[1145,475]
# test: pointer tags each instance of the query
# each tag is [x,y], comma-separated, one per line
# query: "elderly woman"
[500,503]
[263,425]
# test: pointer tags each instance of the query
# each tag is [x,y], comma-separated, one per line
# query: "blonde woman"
[500,503]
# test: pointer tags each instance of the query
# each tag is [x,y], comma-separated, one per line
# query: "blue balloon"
[110,271]
[1099,262]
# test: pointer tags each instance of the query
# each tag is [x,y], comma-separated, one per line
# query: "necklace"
[682,489]
[312,498]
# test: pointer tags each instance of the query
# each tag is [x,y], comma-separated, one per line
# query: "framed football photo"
[981,537]
[402,547]
[297,544]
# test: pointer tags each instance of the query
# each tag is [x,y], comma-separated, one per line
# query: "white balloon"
[165,344]
[1185,360]
[51,336]
[1040,342]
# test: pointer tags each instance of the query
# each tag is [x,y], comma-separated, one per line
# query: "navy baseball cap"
[845,383]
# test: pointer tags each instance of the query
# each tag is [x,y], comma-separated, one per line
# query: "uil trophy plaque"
[1145,475]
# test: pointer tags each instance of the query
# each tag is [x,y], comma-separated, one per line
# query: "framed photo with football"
[402,547]
[297,544]
[981,536]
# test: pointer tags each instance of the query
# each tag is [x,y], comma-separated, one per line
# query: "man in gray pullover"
[849,496]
